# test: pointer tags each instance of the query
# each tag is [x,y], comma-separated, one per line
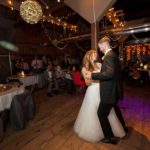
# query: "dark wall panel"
[4,68]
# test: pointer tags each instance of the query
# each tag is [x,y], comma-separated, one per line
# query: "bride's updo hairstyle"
[88,62]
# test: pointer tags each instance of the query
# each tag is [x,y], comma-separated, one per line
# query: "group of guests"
[36,64]
[20,65]
[41,63]
[134,73]
[58,73]
[68,79]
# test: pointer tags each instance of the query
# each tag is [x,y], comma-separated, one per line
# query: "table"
[7,94]
[29,80]
[26,80]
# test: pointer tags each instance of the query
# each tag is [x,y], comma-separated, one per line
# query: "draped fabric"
[22,110]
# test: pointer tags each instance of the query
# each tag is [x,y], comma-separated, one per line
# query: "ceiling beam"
[130,24]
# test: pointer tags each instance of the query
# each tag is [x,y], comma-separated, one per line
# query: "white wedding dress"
[87,125]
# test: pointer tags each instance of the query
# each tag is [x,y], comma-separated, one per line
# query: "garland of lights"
[139,49]
[31,12]
[112,17]
[68,16]
[59,22]
[54,42]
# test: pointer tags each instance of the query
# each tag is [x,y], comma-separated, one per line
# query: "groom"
[110,89]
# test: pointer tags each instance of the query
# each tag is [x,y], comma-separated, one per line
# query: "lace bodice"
[98,70]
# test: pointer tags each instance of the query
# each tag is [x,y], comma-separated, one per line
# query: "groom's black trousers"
[119,115]
[103,112]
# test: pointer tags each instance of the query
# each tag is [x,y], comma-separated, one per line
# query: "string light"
[138,49]
[10,4]
[59,22]
[68,16]
[53,41]
[35,17]
[114,18]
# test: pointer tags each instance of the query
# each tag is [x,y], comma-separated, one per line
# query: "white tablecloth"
[29,80]
[7,96]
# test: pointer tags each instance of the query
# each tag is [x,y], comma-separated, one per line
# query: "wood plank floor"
[52,127]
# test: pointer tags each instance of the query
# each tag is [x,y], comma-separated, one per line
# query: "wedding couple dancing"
[100,118]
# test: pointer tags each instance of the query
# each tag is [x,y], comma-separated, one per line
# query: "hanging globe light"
[31,11]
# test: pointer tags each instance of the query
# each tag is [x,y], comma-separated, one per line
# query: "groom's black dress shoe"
[112,140]
[125,129]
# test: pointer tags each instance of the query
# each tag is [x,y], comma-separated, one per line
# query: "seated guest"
[77,77]
[59,76]
[36,63]
[69,82]
[135,77]
[52,83]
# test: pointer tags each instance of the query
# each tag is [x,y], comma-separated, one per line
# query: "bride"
[87,125]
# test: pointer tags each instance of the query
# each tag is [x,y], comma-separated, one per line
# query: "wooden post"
[94,35]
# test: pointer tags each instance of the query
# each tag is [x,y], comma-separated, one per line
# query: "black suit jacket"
[46,75]
[111,89]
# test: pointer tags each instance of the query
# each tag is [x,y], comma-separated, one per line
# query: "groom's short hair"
[104,39]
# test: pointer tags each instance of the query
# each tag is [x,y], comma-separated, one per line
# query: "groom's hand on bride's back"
[88,75]
[88,81]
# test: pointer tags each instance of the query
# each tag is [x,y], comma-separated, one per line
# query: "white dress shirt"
[107,51]
[49,74]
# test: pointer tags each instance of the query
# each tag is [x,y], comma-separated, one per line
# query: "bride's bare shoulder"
[83,70]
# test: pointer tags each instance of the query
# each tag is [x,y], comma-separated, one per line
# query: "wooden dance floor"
[52,127]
